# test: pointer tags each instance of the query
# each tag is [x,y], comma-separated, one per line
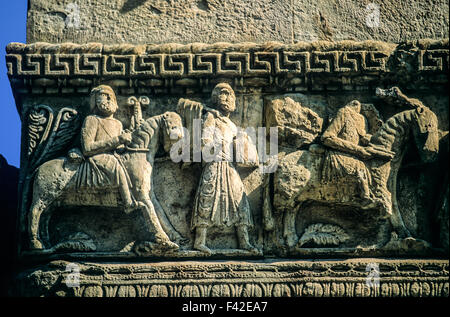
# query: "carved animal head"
[426,133]
[424,122]
[172,129]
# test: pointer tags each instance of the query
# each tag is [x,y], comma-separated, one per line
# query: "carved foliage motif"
[48,136]
[276,280]
[308,289]
[39,121]
[323,234]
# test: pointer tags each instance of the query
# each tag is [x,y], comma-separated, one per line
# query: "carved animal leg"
[397,222]
[46,190]
[363,186]
[244,242]
[165,222]
[268,220]
[128,201]
[153,225]
[290,234]
[34,219]
[200,240]
[392,212]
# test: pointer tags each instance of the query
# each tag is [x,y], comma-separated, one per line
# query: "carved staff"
[137,110]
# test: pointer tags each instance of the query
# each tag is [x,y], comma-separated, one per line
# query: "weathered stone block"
[147,162]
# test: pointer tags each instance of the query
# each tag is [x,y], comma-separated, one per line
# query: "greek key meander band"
[251,62]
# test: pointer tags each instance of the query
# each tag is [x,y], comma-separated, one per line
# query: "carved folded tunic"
[102,167]
[220,199]
[348,126]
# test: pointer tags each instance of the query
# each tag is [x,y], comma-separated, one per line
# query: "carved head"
[103,100]
[172,129]
[424,126]
[426,133]
[355,105]
[223,98]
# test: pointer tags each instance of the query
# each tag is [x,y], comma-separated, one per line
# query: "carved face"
[223,98]
[105,104]
[356,105]
[173,129]
[103,100]
[426,134]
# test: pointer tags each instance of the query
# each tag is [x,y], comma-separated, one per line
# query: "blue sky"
[13,16]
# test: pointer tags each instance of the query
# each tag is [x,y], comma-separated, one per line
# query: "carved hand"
[365,139]
[125,137]
[380,153]
[120,149]
[364,154]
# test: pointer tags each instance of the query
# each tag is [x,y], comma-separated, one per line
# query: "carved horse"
[298,180]
[55,182]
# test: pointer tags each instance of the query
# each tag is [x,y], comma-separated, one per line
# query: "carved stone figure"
[101,135]
[350,146]
[100,168]
[349,187]
[299,177]
[221,199]
[297,125]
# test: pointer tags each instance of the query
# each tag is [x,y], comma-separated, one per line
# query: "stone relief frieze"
[168,150]
[354,168]
[205,148]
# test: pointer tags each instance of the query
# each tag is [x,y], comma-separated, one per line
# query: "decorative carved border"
[69,68]
[202,64]
[398,278]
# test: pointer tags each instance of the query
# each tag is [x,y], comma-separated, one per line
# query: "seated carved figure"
[350,147]
[101,135]
[372,160]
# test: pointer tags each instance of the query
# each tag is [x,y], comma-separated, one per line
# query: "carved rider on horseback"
[101,135]
[350,146]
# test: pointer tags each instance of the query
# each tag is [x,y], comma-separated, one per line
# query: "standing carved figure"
[220,200]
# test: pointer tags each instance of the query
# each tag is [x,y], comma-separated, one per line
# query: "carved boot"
[200,240]
[366,200]
[243,239]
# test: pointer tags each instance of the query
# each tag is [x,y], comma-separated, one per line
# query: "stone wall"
[210,21]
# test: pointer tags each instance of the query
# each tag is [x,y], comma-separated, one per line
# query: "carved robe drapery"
[349,126]
[220,200]
[102,167]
